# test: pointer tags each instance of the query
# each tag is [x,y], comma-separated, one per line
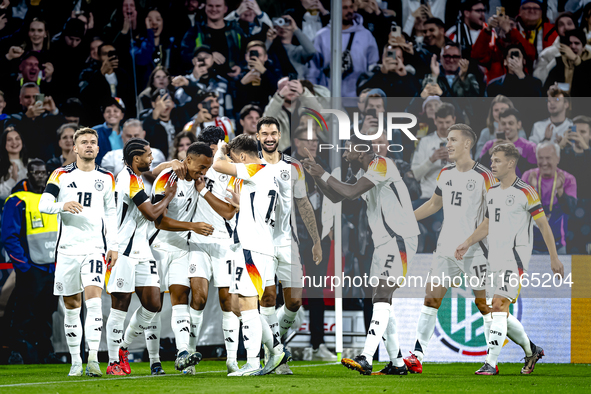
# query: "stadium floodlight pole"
[336,45]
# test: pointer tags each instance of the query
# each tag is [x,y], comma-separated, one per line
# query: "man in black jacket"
[515,83]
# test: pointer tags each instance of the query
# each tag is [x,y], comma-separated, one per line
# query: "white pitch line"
[139,377]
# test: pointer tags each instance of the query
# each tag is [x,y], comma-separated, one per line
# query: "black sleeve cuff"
[52,189]
[438,191]
[140,198]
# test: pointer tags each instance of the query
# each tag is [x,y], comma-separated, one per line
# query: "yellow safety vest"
[42,229]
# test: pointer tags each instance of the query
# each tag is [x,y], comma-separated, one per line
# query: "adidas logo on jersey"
[181,194]
[73,184]
[71,335]
[97,279]
[98,329]
[371,332]
[228,339]
[494,343]
[185,329]
[152,337]
[490,202]
[448,183]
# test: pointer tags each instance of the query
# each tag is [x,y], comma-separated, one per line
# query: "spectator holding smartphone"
[258,78]
[516,82]
[208,114]
[508,133]
[254,23]
[572,67]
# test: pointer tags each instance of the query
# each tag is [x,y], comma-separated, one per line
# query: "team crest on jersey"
[192,268]
[120,282]
[223,177]
[59,286]
[285,175]
[510,200]
[99,185]
[471,185]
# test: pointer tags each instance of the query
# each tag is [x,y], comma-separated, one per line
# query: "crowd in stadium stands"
[179,66]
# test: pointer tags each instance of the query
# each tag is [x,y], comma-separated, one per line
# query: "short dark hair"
[199,148]
[508,149]
[134,147]
[100,47]
[466,132]
[267,121]
[35,162]
[244,143]
[517,46]
[579,33]
[248,108]
[445,110]
[435,21]
[582,119]
[211,135]
[510,111]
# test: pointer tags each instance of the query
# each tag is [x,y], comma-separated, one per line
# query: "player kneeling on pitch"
[511,205]
[395,236]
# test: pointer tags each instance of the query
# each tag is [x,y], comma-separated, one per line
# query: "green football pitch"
[309,377]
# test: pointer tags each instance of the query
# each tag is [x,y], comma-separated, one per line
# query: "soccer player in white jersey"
[136,269]
[395,236]
[511,206]
[210,258]
[175,253]
[82,194]
[461,191]
[254,259]
[287,267]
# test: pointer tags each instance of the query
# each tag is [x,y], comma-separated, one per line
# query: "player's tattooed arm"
[430,207]
[555,264]
[478,235]
[221,162]
[309,219]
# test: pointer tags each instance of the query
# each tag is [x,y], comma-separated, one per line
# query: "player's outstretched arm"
[221,162]
[224,209]
[48,205]
[153,211]
[430,207]
[555,264]
[307,213]
[478,235]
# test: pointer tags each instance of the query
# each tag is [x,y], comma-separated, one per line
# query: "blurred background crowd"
[517,71]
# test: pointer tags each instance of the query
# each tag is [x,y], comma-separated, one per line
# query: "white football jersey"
[95,228]
[258,198]
[290,179]
[216,183]
[511,213]
[389,207]
[133,225]
[181,208]
[464,207]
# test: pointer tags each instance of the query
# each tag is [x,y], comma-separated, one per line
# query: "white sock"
[487,322]
[377,328]
[73,329]
[425,328]
[498,332]
[268,313]
[517,334]
[392,343]
[286,318]
[140,320]
[93,326]
[181,326]
[115,324]
[268,339]
[231,327]
[252,334]
[152,335]
[196,320]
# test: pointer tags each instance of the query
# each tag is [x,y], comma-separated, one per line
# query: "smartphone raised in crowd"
[500,11]
[573,129]
[395,30]
[501,136]
[39,98]
[371,112]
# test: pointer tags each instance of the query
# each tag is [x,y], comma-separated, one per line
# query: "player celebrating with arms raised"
[136,269]
[461,191]
[395,236]
[511,204]
[254,228]
[82,193]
